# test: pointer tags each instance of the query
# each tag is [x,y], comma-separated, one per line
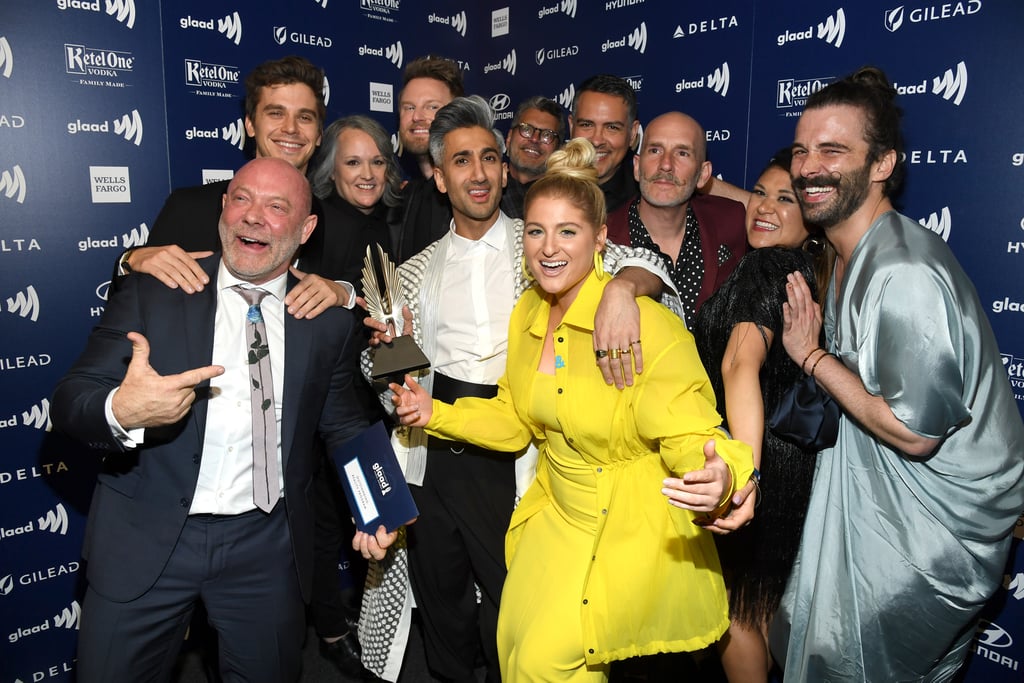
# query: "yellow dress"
[601,567]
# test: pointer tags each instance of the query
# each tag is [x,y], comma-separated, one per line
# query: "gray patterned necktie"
[265,487]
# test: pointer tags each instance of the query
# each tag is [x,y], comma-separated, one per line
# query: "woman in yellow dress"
[600,567]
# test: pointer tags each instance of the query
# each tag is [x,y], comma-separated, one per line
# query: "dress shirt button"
[584,601]
[559,389]
[561,339]
[591,650]
[604,511]
[231,449]
[600,469]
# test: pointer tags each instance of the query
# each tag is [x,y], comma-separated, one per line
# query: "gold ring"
[625,352]
[614,354]
[600,353]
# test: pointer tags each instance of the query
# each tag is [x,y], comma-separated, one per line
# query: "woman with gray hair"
[357,178]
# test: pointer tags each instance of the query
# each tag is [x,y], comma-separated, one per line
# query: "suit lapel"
[298,335]
[199,314]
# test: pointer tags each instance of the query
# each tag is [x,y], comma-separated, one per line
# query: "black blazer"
[142,496]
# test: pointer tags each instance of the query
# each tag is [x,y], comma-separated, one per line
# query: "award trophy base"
[397,358]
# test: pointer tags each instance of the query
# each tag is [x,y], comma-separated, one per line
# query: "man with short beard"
[911,512]
[700,237]
[422,215]
[537,130]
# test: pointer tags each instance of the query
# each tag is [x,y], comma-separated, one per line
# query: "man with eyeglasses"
[537,130]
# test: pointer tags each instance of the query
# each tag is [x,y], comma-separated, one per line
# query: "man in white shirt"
[461,291]
[175,516]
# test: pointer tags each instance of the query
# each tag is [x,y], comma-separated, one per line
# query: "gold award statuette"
[384,303]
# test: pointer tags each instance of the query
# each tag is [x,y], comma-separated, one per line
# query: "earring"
[599,265]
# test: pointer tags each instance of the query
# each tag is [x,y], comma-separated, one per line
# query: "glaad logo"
[566,97]
[25,304]
[939,223]
[457,22]
[38,416]
[12,184]
[893,18]
[567,7]
[1007,305]
[718,81]
[322,3]
[832,30]
[508,64]
[229,26]
[392,53]
[55,521]
[69,617]
[327,91]
[636,40]
[130,127]
[396,144]
[136,237]
[950,86]
[1016,586]
[122,10]
[6,58]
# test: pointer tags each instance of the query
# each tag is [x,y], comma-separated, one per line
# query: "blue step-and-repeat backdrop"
[106,105]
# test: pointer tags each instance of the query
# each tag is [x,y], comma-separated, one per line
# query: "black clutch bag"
[806,416]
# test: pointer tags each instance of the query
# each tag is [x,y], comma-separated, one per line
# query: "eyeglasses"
[547,136]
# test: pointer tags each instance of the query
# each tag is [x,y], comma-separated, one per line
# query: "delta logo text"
[36,417]
[229,26]
[705,26]
[935,156]
[381,10]
[233,133]
[110,184]
[549,54]
[508,64]
[6,58]
[566,97]
[393,53]
[129,126]
[122,10]
[938,222]
[501,104]
[68,618]
[7,583]
[950,85]
[499,22]
[792,93]
[43,469]
[717,80]
[24,304]
[456,21]
[282,35]
[832,30]
[566,7]
[55,521]
[636,40]
[12,184]
[94,66]
[211,79]
[382,97]
[992,642]
[893,19]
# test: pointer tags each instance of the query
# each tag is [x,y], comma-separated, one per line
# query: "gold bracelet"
[813,367]
[803,365]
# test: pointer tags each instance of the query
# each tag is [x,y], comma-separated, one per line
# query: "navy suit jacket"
[142,496]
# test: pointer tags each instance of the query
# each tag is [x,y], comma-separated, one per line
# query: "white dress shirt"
[225,471]
[477,296]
